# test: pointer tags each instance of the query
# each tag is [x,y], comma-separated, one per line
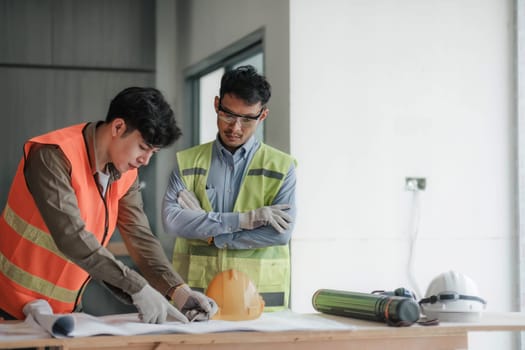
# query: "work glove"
[274,215]
[153,307]
[188,200]
[195,305]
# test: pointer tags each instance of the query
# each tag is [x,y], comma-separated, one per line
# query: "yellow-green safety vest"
[198,262]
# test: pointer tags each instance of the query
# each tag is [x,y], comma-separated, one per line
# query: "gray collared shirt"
[224,180]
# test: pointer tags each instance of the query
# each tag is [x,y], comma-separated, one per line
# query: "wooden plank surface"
[366,335]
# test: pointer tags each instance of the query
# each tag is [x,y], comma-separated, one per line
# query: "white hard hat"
[452,297]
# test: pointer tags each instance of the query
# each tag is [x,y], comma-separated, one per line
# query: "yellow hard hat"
[236,296]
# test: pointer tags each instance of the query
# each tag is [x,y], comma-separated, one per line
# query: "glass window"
[208,88]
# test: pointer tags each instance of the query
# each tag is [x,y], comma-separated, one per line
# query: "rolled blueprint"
[394,310]
[56,324]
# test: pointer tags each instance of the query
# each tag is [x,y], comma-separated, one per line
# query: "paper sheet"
[26,330]
[41,320]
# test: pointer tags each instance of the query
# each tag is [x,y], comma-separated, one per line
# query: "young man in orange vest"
[73,187]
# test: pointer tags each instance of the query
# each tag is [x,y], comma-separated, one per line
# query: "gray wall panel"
[116,33]
[25,31]
[25,96]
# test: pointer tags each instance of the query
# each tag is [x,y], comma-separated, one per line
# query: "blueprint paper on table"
[83,325]
[22,331]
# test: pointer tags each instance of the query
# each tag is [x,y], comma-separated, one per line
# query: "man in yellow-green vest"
[231,202]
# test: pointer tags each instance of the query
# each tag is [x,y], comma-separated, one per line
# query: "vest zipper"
[106,220]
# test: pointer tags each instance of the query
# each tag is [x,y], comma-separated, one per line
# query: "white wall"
[381,90]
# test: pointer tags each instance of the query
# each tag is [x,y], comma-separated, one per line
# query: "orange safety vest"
[31,265]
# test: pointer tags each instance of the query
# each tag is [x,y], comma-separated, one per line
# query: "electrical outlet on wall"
[415,183]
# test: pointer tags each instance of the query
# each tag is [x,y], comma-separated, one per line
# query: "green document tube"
[394,310]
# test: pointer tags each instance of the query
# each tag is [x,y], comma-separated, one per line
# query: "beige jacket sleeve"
[144,247]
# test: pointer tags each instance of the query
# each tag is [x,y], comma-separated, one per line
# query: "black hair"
[145,109]
[245,83]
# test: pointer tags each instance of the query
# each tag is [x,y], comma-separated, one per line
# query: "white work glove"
[155,308]
[188,200]
[274,215]
[195,305]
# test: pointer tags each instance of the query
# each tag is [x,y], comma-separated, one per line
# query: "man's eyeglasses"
[230,117]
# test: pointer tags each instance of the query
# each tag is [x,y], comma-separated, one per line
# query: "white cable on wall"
[415,216]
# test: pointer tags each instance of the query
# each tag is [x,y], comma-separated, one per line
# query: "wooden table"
[366,336]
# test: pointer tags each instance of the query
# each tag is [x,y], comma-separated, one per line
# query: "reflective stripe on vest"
[33,235]
[31,266]
[30,232]
[268,268]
